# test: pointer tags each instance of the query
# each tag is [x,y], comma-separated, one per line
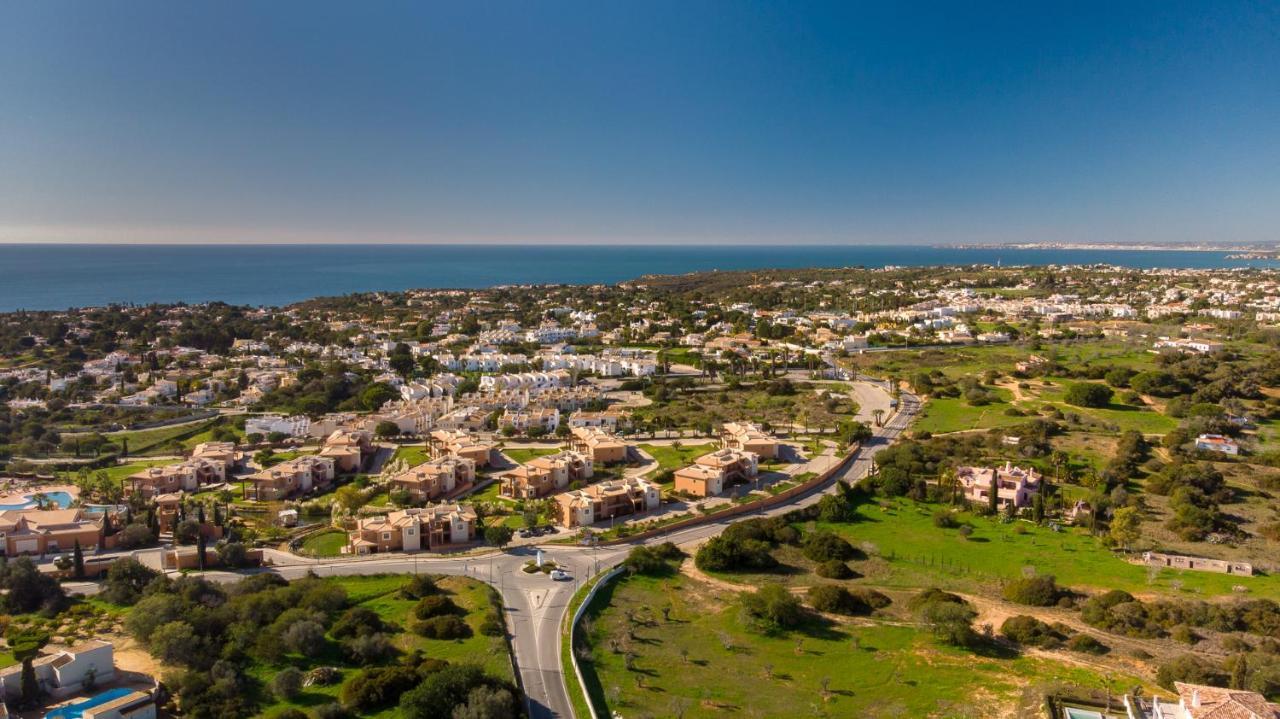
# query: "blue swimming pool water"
[62,499]
[75,711]
[1077,713]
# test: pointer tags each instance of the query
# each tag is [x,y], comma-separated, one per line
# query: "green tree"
[77,559]
[1126,526]
[498,535]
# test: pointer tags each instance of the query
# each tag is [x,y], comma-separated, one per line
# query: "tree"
[187,532]
[377,394]
[386,428]
[201,549]
[993,494]
[1089,394]
[286,684]
[1126,526]
[125,581]
[498,535]
[77,560]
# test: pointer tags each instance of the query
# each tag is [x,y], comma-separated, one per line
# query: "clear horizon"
[733,123]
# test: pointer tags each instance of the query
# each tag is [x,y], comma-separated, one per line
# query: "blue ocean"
[42,277]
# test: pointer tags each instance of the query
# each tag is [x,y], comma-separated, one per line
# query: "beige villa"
[544,476]
[711,474]
[602,446]
[414,529]
[747,437]
[187,476]
[457,443]
[605,500]
[296,476]
[436,478]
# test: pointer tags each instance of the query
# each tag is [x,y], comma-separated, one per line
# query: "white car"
[559,575]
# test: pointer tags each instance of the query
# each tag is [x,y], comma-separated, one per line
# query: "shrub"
[369,649]
[332,710]
[834,599]
[773,607]
[727,553]
[375,688]
[421,585]
[647,560]
[446,626]
[871,597]
[1086,644]
[1190,669]
[492,626]
[1030,631]
[357,622]
[835,569]
[288,713]
[951,622]
[1089,394]
[945,519]
[286,684]
[1183,633]
[1041,591]
[434,606]
[932,595]
[826,546]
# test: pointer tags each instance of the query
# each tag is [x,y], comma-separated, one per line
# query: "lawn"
[705,662]
[328,543]
[520,455]
[669,457]
[380,593]
[412,454]
[954,414]
[916,553]
[120,471]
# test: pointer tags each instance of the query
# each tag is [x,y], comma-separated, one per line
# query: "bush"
[434,606]
[945,519]
[1184,634]
[1089,394]
[1190,669]
[492,626]
[773,607]
[826,546]
[870,597]
[421,585]
[447,626]
[835,569]
[648,561]
[1030,631]
[1042,591]
[726,553]
[835,599]
[332,710]
[1086,644]
[369,649]
[135,536]
[286,684]
[357,622]
[373,689]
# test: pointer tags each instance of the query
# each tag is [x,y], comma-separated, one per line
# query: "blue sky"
[685,122]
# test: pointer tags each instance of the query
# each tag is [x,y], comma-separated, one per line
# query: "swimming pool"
[1078,713]
[60,498]
[75,711]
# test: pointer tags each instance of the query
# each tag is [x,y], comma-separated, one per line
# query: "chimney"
[1195,698]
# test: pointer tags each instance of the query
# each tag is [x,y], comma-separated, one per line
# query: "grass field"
[412,455]
[704,662]
[916,553]
[379,593]
[669,457]
[520,455]
[328,543]
[120,471]
[956,415]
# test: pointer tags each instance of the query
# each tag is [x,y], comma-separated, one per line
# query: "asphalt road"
[536,606]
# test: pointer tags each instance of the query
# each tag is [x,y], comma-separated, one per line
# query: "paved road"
[535,605]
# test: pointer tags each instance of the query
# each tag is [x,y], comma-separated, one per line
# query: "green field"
[328,543]
[120,471]
[704,662]
[673,458]
[916,553]
[520,455]
[413,454]
[379,593]
[957,415]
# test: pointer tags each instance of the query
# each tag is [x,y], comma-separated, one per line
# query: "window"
[386,536]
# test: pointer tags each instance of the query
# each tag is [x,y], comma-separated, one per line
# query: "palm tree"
[879,417]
